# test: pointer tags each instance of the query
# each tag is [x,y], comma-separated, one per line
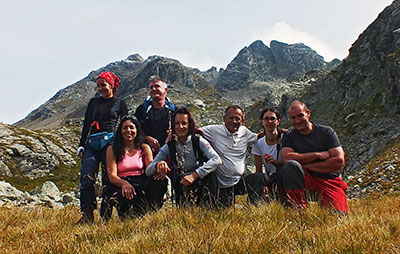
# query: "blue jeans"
[89,170]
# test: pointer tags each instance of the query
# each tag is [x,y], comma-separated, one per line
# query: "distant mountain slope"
[260,71]
[259,62]
[71,101]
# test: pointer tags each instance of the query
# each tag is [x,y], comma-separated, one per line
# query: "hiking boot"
[87,217]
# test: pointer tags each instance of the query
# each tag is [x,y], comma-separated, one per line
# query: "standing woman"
[102,114]
[127,159]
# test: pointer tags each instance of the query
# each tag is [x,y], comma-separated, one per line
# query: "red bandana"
[112,79]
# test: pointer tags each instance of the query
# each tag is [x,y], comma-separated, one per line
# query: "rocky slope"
[258,62]
[47,194]
[259,71]
[71,101]
[28,158]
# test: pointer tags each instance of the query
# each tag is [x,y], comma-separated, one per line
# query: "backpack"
[200,157]
[147,105]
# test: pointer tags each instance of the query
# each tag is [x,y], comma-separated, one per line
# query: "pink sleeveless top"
[131,165]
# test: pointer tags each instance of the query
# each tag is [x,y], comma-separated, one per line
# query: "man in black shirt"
[313,159]
[155,116]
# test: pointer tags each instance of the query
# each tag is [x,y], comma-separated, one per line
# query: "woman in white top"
[266,152]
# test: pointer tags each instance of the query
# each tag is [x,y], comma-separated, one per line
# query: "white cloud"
[286,33]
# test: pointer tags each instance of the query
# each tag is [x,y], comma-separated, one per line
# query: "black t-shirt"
[155,122]
[322,138]
[106,112]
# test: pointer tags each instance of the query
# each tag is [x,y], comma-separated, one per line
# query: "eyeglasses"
[272,119]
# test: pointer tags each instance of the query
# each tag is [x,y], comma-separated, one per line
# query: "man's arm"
[258,163]
[335,162]
[287,153]
[153,143]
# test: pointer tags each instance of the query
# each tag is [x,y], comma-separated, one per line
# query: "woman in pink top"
[126,160]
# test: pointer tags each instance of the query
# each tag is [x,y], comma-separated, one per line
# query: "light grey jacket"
[190,162]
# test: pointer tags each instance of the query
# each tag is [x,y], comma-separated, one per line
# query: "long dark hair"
[184,111]
[119,145]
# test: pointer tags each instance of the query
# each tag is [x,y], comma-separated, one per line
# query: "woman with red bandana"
[102,114]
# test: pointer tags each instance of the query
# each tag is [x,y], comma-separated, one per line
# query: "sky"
[47,45]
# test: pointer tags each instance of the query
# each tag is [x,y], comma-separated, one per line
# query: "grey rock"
[199,103]
[65,157]
[4,170]
[260,63]
[47,191]
[4,131]
[46,194]
[7,191]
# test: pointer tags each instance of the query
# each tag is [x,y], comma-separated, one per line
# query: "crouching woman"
[193,163]
[127,159]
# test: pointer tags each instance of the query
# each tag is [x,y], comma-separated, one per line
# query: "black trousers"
[149,196]
[252,184]
[137,206]
[203,192]
[155,191]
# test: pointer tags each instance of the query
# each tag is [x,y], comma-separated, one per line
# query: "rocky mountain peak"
[261,63]
[135,58]
[257,45]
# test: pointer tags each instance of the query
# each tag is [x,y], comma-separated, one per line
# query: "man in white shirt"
[231,140]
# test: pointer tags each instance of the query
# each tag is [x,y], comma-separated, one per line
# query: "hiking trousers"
[297,183]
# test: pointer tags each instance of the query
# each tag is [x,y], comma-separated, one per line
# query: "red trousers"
[331,191]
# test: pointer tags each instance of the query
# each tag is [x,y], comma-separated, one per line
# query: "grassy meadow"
[373,226]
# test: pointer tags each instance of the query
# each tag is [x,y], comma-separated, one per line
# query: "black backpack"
[147,105]
[200,157]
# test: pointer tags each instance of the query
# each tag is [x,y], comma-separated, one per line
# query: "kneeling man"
[313,159]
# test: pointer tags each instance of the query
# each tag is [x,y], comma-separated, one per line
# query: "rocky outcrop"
[211,75]
[46,194]
[35,154]
[260,63]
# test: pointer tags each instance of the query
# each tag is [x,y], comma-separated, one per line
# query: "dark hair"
[184,111]
[119,145]
[274,110]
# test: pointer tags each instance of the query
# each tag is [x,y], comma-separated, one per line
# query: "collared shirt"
[232,148]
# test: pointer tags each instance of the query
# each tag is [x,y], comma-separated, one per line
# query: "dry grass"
[373,226]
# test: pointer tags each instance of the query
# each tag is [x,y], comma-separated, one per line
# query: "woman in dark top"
[102,114]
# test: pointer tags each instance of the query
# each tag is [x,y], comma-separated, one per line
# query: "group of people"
[206,166]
